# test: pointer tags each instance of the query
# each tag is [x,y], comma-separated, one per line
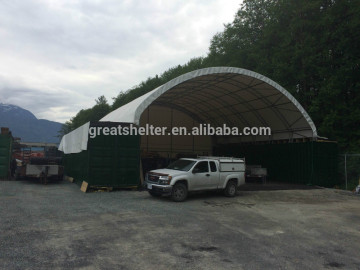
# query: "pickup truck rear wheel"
[230,190]
[179,192]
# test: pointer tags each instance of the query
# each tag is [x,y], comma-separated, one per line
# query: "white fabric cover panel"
[75,141]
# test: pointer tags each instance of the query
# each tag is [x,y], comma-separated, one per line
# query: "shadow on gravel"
[212,194]
[275,186]
[36,181]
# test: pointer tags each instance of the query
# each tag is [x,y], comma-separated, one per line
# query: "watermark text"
[201,130]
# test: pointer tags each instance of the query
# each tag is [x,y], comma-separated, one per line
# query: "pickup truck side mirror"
[195,170]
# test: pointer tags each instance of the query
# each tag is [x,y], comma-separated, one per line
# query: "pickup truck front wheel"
[230,190]
[179,192]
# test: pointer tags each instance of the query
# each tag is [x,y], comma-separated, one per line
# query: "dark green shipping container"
[313,163]
[5,155]
[109,161]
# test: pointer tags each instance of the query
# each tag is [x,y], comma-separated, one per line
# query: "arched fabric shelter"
[213,96]
[226,95]
[216,96]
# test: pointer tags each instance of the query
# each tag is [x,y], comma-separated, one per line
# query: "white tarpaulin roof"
[225,95]
[216,96]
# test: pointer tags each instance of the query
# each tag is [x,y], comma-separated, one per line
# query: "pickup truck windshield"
[181,165]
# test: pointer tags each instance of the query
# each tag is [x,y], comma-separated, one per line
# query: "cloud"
[59,56]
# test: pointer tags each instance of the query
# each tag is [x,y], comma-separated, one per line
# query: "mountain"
[22,123]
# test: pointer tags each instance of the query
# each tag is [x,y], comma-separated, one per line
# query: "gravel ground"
[58,227]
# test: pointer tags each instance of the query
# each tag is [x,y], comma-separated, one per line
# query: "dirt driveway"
[58,227]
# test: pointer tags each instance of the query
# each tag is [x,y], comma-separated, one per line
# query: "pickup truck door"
[214,175]
[203,178]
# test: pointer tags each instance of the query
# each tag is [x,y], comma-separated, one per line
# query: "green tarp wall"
[5,155]
[109,161]
[312,163]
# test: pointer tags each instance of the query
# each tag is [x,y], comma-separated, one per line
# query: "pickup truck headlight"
[164,180]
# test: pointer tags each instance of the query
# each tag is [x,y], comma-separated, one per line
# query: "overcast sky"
[57,56]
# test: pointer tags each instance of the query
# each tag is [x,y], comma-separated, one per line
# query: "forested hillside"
[311,48]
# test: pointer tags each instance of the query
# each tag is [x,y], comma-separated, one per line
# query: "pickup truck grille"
[153,178]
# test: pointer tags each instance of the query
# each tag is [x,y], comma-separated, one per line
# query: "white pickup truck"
[195,174]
